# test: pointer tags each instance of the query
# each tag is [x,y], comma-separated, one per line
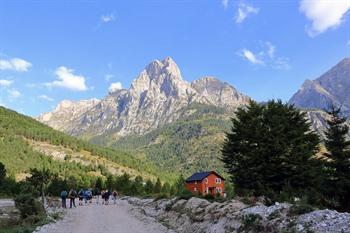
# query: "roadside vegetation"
[271,152]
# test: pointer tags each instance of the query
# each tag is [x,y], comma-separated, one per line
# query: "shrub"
[28,204]
[29,207]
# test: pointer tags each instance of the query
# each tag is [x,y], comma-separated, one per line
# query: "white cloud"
[45,97]
[108,77]
[266,55]
[67,79]
[270,49]
[324,14]
[244,10]
[251,57]
[15,64]
[14,94]
[281,63]
[225,3]
[115,87]
[5,82]
[107,18]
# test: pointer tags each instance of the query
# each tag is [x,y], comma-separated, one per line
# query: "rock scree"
[201,216]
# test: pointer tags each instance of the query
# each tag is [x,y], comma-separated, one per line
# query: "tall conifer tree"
[270,150]
[337,164]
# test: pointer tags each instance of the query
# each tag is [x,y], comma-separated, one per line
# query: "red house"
[205,183]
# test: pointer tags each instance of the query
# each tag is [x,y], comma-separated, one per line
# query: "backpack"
[74,193]
[64,194]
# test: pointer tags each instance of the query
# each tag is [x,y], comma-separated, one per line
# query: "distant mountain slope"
[26,143]
[154,99]
[331,87]
[191,143]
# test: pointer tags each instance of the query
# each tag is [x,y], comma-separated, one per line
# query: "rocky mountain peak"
[156,97]
[213,91]
[330,88]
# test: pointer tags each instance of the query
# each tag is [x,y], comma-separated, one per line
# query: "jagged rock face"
[155,98]
[61,117]
[213,91]
[332,87]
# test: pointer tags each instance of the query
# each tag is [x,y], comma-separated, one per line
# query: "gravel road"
[119,218]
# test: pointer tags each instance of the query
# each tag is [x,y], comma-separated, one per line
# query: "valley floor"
[95,218]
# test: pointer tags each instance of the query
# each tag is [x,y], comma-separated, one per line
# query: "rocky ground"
[134,215]
[198,216]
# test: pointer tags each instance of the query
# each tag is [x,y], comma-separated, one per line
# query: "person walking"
[64,195]
[81,196]
[115,194]
[103,196]
[72,195]
[97,194]
[107,195]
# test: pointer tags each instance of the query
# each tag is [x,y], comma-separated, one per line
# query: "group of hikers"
[85,196]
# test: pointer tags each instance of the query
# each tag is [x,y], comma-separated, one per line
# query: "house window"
[206,180]
[218,190]
[195,189]
[218,180]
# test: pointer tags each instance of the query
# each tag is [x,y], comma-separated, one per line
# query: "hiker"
[64,195]
[89,195]
[81,196]
[97,193]
[103,196]
[72,195]
[107,194]
[115,194]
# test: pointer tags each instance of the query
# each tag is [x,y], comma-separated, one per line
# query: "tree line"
[272,151]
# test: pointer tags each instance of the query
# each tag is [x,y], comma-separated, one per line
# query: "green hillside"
[189,144]
[26,143]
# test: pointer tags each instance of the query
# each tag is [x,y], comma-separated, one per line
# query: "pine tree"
[2,173]
[241,149]
[157,187]
[149,187]
[166,188]
[180,185]
[110,182]
[137,186]
[269,150]
[337,162]
[99,184]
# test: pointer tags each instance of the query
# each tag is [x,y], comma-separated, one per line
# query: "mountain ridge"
[153,100]
[330,88]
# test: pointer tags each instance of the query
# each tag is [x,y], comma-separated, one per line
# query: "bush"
[28,204]
[185,195]
[29,207]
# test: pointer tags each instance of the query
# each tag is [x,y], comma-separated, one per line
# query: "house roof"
[199,176]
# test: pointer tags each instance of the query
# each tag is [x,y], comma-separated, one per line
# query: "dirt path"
[95,218]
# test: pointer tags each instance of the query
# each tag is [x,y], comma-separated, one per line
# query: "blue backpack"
[64,194]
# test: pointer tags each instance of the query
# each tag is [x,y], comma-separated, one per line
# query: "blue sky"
[55,50]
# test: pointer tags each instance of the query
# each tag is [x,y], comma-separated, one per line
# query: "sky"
[56,50]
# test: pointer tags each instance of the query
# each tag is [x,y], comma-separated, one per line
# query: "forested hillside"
[190,144]
[26,143]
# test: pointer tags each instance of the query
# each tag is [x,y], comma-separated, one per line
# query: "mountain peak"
[166,66]
[330,88]
[158,96]
[345,61]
